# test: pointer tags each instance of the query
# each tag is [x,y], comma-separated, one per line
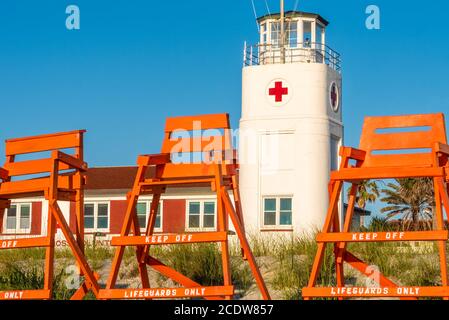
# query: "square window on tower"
[292,34]
[275,34]
[277,212]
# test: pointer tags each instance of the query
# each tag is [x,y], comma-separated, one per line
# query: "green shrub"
[203,264]
[295,263]
[15,277]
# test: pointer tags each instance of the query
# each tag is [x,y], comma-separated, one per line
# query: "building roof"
[110,178]
[294,14]
[122,178]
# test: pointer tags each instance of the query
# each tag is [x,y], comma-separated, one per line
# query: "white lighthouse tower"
[291,126]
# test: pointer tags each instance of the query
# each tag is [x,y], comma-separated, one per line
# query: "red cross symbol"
[334,96]
[278,91]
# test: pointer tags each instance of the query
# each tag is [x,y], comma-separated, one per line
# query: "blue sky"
[133,63]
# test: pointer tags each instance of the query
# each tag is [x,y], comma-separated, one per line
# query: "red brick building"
[181,210]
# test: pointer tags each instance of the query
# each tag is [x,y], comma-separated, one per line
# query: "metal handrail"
[262,54]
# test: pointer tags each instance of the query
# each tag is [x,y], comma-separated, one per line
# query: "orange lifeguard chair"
[218,171]
[61,178]
[380,157]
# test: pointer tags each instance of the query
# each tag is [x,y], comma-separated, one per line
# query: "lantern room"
[292,37]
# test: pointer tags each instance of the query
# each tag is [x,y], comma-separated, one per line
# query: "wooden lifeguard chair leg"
[445,196]
[73,244]
[158,265]
[222,226]
[151,223]
[244,244]
[333,203]
[238,206]
[447,186]
[51,196]
[144,255]
[134,224]
[130,221]
[80,238]
[339,266]
[116,261]
[341,246]
[441,194]
[49,252]
[237,200]
[79,233]
[79,211]
[141,265]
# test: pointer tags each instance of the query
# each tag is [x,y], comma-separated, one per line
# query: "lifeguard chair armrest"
[153,159]
[352,153]
[442,148]
[70,160]
[4,174]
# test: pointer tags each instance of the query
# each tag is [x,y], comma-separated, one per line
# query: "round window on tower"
[334,96]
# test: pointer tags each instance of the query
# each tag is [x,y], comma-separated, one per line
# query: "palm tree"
[367,192]
[409,200]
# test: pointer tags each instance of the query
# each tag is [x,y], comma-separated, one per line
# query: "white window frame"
[95,228]
[277,226]
[201,201]
[272,31]
[312,32]
[288,30]
[264,32]
[147,214]
[18,230]
[323,33]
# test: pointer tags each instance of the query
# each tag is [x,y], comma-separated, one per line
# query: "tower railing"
[264,54]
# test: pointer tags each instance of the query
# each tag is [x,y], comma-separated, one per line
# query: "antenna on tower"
[296,5]
[268,8]
[282,23]
[255,15]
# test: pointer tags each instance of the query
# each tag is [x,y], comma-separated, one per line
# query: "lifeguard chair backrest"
[402,140]
[42,143]
[204,134]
